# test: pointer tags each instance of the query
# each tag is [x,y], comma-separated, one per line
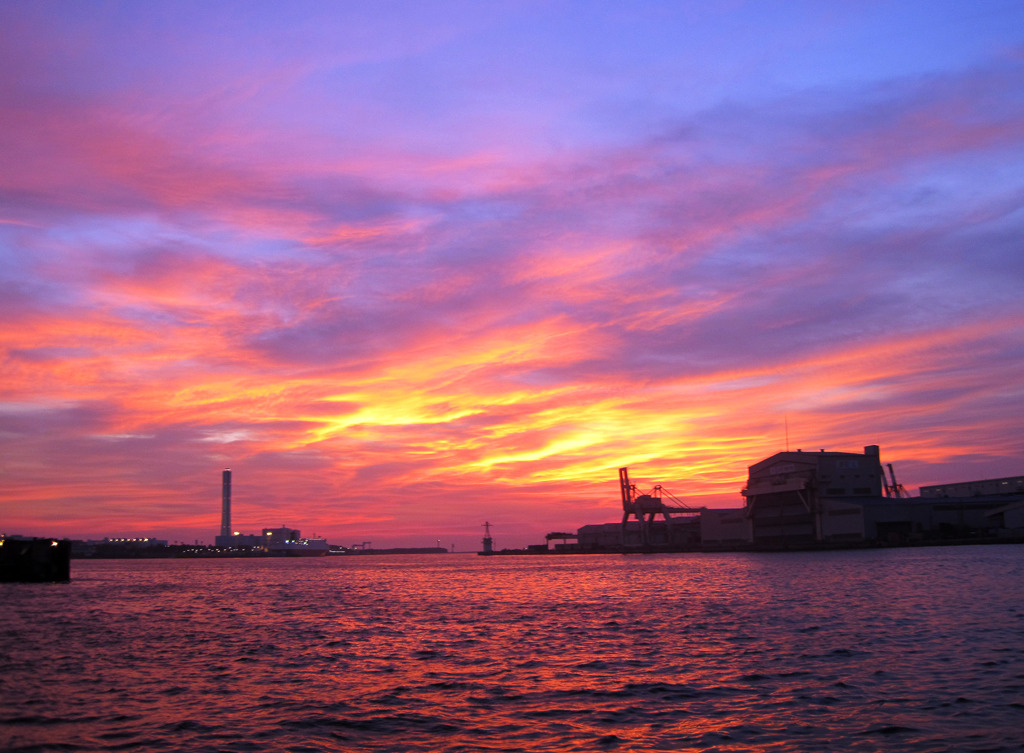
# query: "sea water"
[896,649]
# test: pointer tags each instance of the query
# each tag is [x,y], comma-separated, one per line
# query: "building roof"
[802,458]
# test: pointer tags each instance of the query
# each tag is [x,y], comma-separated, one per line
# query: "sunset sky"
[406,267]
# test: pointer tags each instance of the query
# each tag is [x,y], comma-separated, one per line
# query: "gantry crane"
[646,506]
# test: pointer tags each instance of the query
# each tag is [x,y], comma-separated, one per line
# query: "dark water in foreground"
[910,650]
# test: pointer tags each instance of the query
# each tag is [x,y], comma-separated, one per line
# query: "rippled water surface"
[911,650]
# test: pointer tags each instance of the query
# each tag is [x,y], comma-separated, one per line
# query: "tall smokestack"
[225,506]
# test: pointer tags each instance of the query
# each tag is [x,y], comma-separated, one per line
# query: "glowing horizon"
[412,269]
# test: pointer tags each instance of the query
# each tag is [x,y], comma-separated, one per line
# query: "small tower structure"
[225,504]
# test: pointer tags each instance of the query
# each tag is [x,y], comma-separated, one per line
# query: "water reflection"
[917,649]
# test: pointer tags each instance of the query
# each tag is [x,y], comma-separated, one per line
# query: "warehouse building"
[984,488]
[804,498]
[675,534]
[727,528]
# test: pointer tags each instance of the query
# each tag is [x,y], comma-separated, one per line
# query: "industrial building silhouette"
[808,500]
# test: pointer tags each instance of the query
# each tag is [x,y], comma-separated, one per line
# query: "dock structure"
[35,560]
[810,501]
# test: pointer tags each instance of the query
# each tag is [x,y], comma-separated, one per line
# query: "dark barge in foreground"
[35,560]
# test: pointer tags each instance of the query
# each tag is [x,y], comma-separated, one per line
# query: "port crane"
[894,489]
[645,507]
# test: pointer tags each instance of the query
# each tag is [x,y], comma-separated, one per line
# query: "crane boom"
[895,488]
[625,489]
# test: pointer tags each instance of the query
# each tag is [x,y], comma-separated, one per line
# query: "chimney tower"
[225,507]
